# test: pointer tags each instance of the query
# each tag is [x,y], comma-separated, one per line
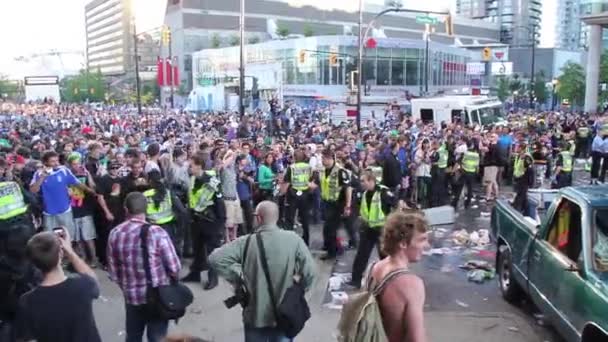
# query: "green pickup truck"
[557,255]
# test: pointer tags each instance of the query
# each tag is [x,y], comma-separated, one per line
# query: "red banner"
[175,72]
[160,75]
[169,72]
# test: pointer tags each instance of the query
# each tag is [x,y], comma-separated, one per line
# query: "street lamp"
[363,37]
[554,83]
[532,32]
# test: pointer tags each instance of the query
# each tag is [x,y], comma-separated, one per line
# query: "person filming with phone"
[50,311]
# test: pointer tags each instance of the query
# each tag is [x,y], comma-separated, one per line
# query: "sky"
[46,25]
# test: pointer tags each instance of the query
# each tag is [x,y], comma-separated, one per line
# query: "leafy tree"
[515,85]
[85,86]
[503,88]
[540,88]
[215,41]
[235,40]
[282,31]
[7,88]
[571,84]
[603,96]
[308,31]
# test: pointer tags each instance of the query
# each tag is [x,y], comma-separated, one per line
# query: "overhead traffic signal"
[302,56]
[449,25]
[165,35]
[333,60]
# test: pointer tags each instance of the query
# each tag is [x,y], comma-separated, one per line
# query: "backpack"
[361,319]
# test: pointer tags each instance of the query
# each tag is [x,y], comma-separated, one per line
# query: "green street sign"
[425,19]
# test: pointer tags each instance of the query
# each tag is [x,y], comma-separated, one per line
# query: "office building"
[516,18]
[591,7]
[202,24]
[568,25]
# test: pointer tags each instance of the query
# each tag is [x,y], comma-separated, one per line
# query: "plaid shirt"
[125,259]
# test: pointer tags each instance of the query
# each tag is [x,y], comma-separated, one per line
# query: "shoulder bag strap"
[387,279]
[143,236]
[262,251]
[246,250]
[370,279]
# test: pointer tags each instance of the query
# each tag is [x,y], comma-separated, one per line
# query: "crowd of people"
[87,180]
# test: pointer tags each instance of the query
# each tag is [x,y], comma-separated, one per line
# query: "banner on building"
[476,68]
[502,68]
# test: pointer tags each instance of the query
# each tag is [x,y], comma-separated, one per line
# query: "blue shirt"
[55,194]
[244,190]
[598,144]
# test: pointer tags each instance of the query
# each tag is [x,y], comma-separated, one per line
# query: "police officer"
[17,275]
[298,178]
[165,209]
[376,204]
[563,168]
[336,194]
[522,174]
[469,165]
[208,217]
[597,152]
[582,140]
[439,160]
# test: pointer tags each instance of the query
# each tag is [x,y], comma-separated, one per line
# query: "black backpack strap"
[387,279]
[244,258]
[262,251]
[143,236]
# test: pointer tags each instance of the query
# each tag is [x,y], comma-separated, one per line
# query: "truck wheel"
[511,291]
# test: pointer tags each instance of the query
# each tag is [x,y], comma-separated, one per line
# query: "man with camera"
[125,268]
[288,259]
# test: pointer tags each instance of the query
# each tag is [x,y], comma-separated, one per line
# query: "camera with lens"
[241,296]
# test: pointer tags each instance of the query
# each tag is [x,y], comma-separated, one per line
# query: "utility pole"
[360,65]
[137,87]
[170,73]
[242,61]
[533,31]
[427,34]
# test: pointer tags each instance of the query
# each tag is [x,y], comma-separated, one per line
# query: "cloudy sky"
[45,25]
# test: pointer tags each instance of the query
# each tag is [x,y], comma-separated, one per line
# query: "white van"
[480,110]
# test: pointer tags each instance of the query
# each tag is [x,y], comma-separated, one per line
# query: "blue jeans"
[138,321]
[265,335]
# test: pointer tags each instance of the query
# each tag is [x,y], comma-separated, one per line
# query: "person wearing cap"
[110,198]
[298,179]
[377,202]
[563,167]
[522,177]
[208,214]
[336,194]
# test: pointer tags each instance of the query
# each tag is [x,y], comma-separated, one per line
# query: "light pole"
[137,86]
[554,82]
[363,36]
[242,61]
[531,31]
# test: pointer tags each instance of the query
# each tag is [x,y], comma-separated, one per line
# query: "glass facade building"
[328,60]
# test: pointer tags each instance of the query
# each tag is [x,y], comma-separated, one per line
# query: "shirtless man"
[402,300]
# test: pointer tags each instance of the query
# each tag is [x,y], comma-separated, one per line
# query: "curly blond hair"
[400,226]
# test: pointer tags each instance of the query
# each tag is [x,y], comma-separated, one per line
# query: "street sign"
[425,19]
[502,68]
[476,68]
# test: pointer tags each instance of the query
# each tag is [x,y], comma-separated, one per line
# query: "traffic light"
[333,60]
[351,80]
[166,35]
[302,56]
[449,25]
[486,54]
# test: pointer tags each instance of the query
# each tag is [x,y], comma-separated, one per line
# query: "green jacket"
[265,177]
[287,255]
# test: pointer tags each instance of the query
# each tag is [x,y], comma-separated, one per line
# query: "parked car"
[557,255]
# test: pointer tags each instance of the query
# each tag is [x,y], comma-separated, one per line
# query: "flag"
[175,72]
[168,72]
[160,75]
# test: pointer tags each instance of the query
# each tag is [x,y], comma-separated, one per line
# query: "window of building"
[412,72]
[397,71]
[383,65]
[369,72]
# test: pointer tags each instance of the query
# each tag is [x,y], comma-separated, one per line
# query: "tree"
[282,31]
[515,84]
[308,31]
[254,40]
[85,86]
[235,40]
[215,41]
[571,84]
[503,91]
[540,88]
[603,96]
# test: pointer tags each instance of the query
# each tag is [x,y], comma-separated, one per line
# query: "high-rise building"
[568,25]
[517,18]
[108,36]
[588,7]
